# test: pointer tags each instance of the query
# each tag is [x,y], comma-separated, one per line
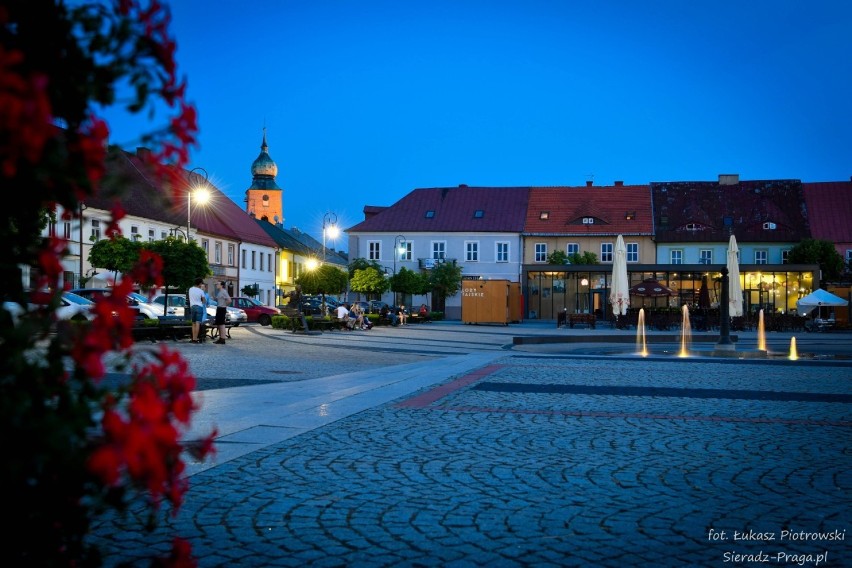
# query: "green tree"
[182,262]
[251,290]
[327,279]
[369,281]
[362,264]
[409,282]
[817,251]
[445,280]
[585,258]
[117,255]
[558,257]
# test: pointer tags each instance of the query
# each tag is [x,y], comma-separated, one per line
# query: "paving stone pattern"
[500,478]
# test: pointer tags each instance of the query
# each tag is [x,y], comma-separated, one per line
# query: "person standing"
[202,328]
[223,300]
[196,307]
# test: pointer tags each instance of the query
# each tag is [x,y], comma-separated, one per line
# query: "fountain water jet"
[641,345]
[761,333]
[794,353]
[685,333]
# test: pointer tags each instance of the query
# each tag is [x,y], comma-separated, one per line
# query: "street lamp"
[398,248]
[329,219]
[202,193]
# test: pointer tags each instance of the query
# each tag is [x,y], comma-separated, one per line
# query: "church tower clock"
[264,199]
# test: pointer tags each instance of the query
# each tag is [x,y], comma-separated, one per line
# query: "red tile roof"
[610,206]
[701,211]
[830,210]
[453,210]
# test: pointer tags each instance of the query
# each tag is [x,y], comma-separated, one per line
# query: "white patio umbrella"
[619,295]
[735,289]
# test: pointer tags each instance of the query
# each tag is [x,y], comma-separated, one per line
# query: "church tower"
[264,199]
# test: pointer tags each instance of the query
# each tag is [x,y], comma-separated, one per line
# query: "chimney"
[619,183]
[589,183]
[729,179]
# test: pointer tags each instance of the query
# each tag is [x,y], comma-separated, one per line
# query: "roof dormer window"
[693,227]
[544,215]
[769,226]
[588,220]
[478,214]
[430,213]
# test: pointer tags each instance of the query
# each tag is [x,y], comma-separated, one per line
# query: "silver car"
[177,307]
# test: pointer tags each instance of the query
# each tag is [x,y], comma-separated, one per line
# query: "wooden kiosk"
[491,301]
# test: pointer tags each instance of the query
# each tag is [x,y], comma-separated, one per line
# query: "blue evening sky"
[364,101]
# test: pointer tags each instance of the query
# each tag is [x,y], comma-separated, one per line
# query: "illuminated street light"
[329,220]
[202,193]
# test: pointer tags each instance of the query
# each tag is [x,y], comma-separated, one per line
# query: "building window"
[544,215]
[96,230]
[260,260]
[253,260]
[705,256]
[541,252]
[848,255]
[269,262]
[785,256]
[151,235]
[163,235]
[606,252]
[761,256]
[217,253]
[404,250]
[676,256]
[231,255]
[134,234]
[572,248]
[66,230]
[374,250]
[439,249]
[471,251]
[502,252]
[205,246]
[632,252]
[244,258]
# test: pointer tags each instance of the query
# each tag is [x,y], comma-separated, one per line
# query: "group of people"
[399,316]
[199,299]
[353,317]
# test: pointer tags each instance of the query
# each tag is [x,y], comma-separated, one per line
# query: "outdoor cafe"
[663,289]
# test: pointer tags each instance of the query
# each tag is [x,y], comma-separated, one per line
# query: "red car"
[255,310]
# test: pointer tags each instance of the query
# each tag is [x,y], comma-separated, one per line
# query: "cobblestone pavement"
[533,459]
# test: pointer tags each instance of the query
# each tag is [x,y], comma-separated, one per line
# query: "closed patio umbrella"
[619,295]
[704,294]
[735,289]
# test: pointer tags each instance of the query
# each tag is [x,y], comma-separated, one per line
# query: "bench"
[581,319]
[296,318]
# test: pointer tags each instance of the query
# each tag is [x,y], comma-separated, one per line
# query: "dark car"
[376,306]
[256,311]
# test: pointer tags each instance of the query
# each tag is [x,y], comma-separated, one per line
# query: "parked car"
[256,311]
[376,306]
[71,308]
[177,306]
[136,301]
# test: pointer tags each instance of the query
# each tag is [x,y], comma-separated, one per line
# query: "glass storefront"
[549,290]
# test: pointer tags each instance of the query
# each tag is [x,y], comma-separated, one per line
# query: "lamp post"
[202,193]
[330,220]
[398,248]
